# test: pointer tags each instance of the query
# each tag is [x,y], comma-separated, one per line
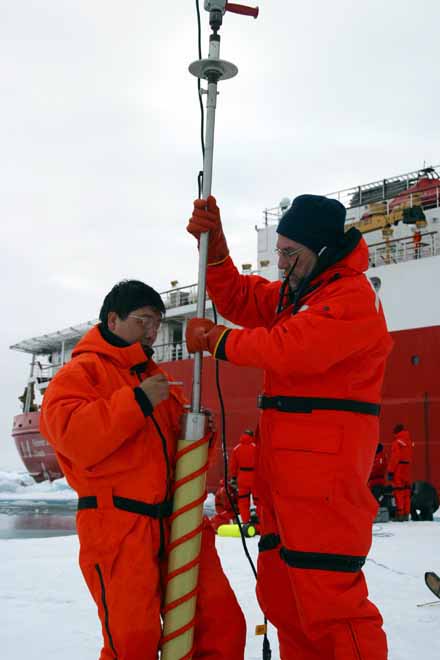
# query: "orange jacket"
[243,457]
[317,351]
[100,434]
[399,466]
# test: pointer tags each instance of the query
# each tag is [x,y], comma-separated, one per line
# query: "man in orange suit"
[242,469]
[224,513]
[399,471]
[322,341]
[114,422]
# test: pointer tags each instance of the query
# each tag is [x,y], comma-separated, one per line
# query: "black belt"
[160,510]
[297,404]
[322,561]
[268,542]
[246,469]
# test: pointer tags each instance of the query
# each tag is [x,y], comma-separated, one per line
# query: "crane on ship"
[377,219]
[406,205]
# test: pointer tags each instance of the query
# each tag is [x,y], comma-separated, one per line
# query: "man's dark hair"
[398,428]
[128,295]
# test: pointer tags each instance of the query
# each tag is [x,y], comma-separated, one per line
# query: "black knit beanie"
[314,221]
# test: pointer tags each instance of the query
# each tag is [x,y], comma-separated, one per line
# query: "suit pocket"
[305,459]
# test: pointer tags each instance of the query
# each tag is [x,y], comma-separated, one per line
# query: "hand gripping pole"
[192,451]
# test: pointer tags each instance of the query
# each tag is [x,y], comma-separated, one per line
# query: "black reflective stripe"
[268,542]
[322,561]
[106,616]
[220,351]
[89,502]
[240,497]
[404,462]
[161,510]
[246,469]
[297,404]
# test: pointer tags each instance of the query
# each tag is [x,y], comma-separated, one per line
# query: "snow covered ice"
[47,612]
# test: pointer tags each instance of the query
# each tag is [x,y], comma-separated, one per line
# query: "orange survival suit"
[120,461]
[417,243]
[323,355]
[241,469]
[399,471]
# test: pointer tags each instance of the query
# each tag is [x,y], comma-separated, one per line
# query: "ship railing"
[403,249]
[41,375]
[171,352]
[180,296]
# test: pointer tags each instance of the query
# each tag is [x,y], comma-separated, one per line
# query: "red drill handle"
[242,9]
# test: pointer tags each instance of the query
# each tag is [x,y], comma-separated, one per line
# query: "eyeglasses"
[147,321]
[288,253]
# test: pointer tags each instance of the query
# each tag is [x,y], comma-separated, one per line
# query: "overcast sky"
[99,128]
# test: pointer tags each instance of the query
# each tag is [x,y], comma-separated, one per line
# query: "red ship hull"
[37,455]
[411,396]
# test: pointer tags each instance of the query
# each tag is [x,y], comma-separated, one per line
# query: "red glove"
[206,217]
[203,335]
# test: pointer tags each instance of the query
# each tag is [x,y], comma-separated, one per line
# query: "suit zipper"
[106,614]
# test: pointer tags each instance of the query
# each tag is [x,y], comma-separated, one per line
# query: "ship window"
[415,360]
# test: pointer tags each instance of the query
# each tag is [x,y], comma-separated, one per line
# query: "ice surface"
[48,613]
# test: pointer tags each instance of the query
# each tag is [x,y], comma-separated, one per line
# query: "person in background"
[399,471]
[377,478]
[224,512]
[417,243]
[322,341]
[114,421]
[424,501]
[242,470]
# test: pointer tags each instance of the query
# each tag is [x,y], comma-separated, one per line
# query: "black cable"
[284,286]
[225,457]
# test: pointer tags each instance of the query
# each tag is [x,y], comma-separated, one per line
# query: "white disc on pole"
[219,69]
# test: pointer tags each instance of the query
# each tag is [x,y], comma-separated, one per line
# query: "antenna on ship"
[192,450]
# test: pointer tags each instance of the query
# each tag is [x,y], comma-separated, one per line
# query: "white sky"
[99,127]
